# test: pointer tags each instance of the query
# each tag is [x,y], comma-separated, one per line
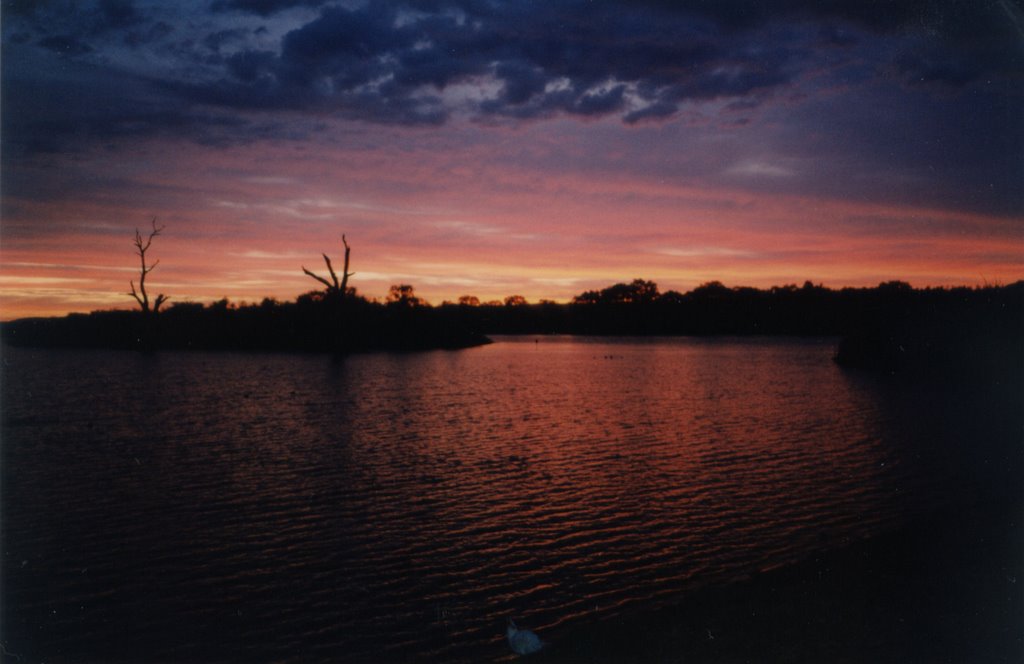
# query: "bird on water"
[522,641]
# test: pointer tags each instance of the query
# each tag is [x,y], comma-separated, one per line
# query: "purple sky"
[491,148]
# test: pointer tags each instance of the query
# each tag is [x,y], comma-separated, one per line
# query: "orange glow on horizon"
[244,232]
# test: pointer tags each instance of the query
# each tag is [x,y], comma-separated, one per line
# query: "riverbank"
[307,326]
[947,588]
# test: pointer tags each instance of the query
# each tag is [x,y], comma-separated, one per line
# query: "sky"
[491,148]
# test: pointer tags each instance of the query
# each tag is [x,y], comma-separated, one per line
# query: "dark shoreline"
[948,587]
[890,327]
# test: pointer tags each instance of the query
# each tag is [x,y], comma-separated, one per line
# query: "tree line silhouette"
[889,327]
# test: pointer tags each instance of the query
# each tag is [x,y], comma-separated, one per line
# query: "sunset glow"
[559,149]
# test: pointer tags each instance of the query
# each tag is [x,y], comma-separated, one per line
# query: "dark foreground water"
[182,507]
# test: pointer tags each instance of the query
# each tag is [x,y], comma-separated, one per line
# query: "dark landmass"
[310,324]
[890,327]
[947,588]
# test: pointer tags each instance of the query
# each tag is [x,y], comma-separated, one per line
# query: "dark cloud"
[65,45]
[392,61]
[573,57]
[945,148]
[655,111]
[262,7]
[67,106]
[521,82]
[117,14]
[340,33]
[921,67]
[151,33]
[600,103]
[250,67]
[94,18]
[951,18]
[221,38]
[422,62]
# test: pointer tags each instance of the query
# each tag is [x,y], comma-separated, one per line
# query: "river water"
[186,506]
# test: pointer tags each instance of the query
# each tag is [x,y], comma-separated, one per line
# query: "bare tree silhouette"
[141,247]
[334,287]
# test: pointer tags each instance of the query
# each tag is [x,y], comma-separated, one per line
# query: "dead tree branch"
[141,247]
[334,287]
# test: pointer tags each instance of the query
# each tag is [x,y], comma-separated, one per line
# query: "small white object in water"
[522,641]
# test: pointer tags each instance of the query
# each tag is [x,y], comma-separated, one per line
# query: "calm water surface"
[232,507]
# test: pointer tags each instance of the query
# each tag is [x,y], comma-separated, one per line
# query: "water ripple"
[201,507]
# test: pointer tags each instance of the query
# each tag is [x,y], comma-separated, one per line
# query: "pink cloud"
[454,213]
